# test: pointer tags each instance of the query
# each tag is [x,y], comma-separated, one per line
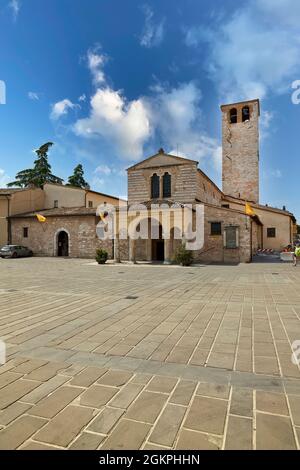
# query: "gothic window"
[233,116]
[167,185]
[155,186]
[245,113]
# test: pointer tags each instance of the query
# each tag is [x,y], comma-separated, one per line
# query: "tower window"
[90,203]
[25,232]
[56,203]
[245,113]
[167,185]
[233,116]
[155,186]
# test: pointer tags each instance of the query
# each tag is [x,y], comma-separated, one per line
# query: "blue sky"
[111,81]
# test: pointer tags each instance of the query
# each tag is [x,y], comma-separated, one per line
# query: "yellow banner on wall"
[249,210]
[41,218]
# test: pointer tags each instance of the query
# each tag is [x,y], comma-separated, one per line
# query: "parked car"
[15,251]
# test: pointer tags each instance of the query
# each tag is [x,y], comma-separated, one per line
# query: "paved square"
[150,357]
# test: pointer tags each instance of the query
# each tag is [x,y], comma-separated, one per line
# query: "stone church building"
[231,233]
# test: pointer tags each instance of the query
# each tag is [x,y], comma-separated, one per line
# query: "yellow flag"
[41,218]
[103,216]
[249,210]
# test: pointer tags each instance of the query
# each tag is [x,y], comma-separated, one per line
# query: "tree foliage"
[77,179]
[39,174]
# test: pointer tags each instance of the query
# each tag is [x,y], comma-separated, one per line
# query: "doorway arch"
[62,243]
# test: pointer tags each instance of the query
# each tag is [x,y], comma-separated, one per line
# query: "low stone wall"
[42,237]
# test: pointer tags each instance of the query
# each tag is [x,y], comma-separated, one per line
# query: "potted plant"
[183,256]
[101,256]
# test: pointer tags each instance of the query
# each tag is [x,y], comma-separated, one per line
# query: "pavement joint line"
[161,412]
[189,406]
[293,424]
[238,339]
[202,336]
[226,419]
[254,421]
[204,374]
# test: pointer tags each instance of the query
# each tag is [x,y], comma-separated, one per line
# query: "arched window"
[155,186]
[167,185]
[245,113]
[233,116]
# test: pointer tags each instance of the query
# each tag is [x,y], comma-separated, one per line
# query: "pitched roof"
[5,191]
[178,160]
[86,190]
[58,212]
[258,206]
[210,180]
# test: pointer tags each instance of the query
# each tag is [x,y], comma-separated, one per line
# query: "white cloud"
[276,173]
[176,116]
[97,183]
[271,174]
[61,108]
[254,52]
[109,170]
[4,178]
[153,32]
[82,98]
[33,96]
[15,6]
[96,62]
[266,118]
[171,115]
[103,170]
[125,124]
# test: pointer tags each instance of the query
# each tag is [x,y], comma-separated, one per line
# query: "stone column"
[167,249]
[132,250]
[149,249]
[117,258]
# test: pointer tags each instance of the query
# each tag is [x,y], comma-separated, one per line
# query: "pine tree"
[77,179]
[39,174]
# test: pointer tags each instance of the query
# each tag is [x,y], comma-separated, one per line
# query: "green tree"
[77,179]
[39,174]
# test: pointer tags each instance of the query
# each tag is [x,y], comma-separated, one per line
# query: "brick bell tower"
[240,145]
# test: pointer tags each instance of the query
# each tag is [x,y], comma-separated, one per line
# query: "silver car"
[15,251]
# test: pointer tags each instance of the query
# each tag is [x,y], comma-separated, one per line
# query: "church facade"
[233,227]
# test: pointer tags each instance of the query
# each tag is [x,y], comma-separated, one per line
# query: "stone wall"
[184,182]
[240,141]
[270,218]
[42,237]
[207,192]
[214,250]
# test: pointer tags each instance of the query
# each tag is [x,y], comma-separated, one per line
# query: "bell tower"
[240,150]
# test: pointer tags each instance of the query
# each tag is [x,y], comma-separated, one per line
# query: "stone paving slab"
[88,368]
